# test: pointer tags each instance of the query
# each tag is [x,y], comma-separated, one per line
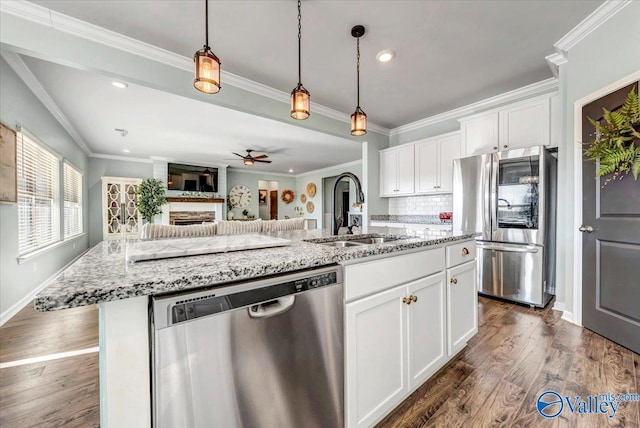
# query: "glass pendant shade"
[300,103]
[248,161]
[207,71]
[358,122]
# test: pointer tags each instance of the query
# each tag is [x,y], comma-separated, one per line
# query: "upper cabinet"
[397,171]
[434,163]
[524,124]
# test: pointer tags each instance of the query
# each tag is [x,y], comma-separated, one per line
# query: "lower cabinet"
[462,306]
[394,341]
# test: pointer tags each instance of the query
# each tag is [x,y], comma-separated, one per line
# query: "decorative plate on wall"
[310,207]
[311,190]
[303,198]
[288,196]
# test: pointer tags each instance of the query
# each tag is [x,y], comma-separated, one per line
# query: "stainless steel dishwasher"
[264,354]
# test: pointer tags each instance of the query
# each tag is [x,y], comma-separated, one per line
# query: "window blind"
[72,201]
[38,206]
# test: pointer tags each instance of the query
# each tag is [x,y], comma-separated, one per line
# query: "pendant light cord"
[299,44]
[206,23]
[358,70]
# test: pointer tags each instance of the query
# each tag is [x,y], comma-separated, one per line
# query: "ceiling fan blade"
[263,161]
[260,157]
[238,155]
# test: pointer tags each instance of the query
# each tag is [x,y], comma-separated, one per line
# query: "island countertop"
[102,274]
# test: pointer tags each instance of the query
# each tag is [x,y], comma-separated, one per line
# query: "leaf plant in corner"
[151,198]
[617,141]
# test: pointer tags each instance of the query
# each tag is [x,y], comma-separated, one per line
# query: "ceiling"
[448,53]
[169,126]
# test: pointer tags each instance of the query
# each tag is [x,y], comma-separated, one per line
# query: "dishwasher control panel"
[191,308]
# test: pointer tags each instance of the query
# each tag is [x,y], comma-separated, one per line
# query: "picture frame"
[8,166]
[262,196]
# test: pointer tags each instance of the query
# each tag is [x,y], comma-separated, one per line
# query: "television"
[192,178]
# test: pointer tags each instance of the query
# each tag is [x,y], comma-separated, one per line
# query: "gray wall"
[99,168]
[608,54]
[235,176]
[19,106]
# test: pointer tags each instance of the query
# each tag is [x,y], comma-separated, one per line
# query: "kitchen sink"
[342,244]
[380,240]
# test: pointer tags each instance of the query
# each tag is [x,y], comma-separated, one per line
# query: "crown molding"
[534,89]
[265,173]
[120,158]
[554,61]
[32,82]
[330,169]
[598,17]
[79,28]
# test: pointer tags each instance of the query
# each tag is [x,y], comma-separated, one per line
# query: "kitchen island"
[122,290]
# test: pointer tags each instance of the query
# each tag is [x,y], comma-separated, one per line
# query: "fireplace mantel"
[201,200]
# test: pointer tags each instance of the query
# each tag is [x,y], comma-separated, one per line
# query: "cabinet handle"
[413,298]
[495,147]
[505,146]
[465,251]
[454,281]
[406,300]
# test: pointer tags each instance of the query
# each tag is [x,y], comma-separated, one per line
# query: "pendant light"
[207,65]
[359,117]
[300,97]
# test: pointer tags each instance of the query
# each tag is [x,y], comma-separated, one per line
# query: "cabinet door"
[525,125]
[449,149]
[480,134]
[462,306]
[405,170]
[388,175]
[426,172]
[375,356]
[426,328]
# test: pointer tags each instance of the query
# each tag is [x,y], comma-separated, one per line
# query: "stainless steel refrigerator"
[510,199]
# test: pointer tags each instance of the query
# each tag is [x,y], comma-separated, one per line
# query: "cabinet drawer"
[460,253]
[367,278]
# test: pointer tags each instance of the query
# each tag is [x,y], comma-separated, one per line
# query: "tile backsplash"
[421,205]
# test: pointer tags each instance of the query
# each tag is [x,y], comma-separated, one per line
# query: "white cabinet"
[375,353]
[462,306]
[434,163]
[480,134]
[397,171]
[120,216]
[523,124]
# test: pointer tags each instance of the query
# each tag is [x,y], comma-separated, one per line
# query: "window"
[72,201]
[38,202]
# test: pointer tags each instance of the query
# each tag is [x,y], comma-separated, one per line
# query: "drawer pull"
[465,251]
[454,281]
[413,298]
[406,300]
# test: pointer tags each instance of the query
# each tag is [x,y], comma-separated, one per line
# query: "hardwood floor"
[495,381]
[56,392]
[517,354]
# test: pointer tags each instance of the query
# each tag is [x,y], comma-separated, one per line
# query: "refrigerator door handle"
[487,196]
[493,209]
[508,248]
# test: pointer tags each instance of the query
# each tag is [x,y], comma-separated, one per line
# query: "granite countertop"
[409,219]
[103,274]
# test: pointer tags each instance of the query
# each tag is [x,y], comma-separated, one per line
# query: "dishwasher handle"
[272,307]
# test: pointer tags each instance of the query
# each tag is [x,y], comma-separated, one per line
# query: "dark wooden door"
[611,252]
[273,205]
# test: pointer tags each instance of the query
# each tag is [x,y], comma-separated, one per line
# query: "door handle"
[272,308]
[584,228]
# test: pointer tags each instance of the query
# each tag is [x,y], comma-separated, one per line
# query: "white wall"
[19,106]
[236,176]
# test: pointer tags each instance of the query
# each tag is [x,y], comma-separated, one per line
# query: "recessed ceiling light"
[126,150]
[385,55]
[120,85]
[290,170]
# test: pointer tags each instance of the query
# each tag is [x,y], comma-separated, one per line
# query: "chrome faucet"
[359,197]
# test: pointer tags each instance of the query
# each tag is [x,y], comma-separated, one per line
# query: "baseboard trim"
[559,306]
[17,307]
[568,316]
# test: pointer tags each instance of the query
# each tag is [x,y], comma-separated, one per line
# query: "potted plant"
[617,141]
[151,198]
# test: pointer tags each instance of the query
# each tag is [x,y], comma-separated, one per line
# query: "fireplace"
[183,218]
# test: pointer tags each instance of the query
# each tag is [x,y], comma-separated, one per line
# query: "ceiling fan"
[249,159]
